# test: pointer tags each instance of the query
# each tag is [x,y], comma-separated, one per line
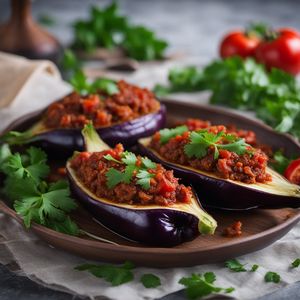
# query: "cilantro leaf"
[148,164]
[296,263]
[105,85]
[129,158]
[166,134]
[272,277]
[114,177]
[254,268]
[144,178]
[32,164]
[116,275]
[150,281]
[235,266]
[198,286]
[109,157]
[200,141]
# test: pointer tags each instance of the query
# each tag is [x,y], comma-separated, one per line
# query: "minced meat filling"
[248,167]
[74,110]
[91,169]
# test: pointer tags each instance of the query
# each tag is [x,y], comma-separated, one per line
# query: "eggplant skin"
[155,227]
[221,193]
[62,142]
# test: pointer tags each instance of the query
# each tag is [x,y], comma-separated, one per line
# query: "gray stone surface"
[193,27]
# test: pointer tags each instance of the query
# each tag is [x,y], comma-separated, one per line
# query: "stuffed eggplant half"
[135,197]
[124,114]
[229,172]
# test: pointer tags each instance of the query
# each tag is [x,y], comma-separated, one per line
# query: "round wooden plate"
[261,227]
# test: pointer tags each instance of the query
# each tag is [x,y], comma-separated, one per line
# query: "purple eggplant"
[229,194]
[147,224]
[63,141]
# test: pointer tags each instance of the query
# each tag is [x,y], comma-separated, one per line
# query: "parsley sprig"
[82,85]
[201,141]
[167,133]
[198,285]
[33,198]
[129,159]
[243,84]
[116,275]
[107,28]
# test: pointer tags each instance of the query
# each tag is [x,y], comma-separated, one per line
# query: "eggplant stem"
[207,224]
[92,140]
[98,238]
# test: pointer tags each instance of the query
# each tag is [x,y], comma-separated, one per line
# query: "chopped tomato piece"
[292,172]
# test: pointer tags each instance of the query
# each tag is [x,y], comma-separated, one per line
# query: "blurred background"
[191,27]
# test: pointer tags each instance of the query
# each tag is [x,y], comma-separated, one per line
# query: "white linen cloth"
[55,268]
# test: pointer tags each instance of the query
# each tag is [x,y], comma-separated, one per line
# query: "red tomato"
[282,52]
[292,172]
[238,44]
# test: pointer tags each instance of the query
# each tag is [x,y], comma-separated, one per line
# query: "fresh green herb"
[272,277]
[129,159]
[46,20]
[244,84]
[142,44]
[280,162]
[16,137]
[116,275]
[150,281]
[107,28]
[70,62]
[166,134]
[201,141]
[81,84]
[296,263]
[235,266]
[198,285]
[254,268]
[187,79]
[35,199]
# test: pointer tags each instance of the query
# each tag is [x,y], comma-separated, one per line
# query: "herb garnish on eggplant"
[162,225]
[121,114]
[267,189]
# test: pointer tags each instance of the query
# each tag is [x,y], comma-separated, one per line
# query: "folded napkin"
[33,85]
[27,85]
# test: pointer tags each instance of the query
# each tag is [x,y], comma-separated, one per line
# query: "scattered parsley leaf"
[109,157]
[105,85]
[200,141]
[198,286]
[144,178]
[150,281]
[114,177]
[129,158]
[272,277]
[116,275]
[70,62]
[148,164]
[254,268]
[166,134]
[81,84]
[296,263]
[235,266]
